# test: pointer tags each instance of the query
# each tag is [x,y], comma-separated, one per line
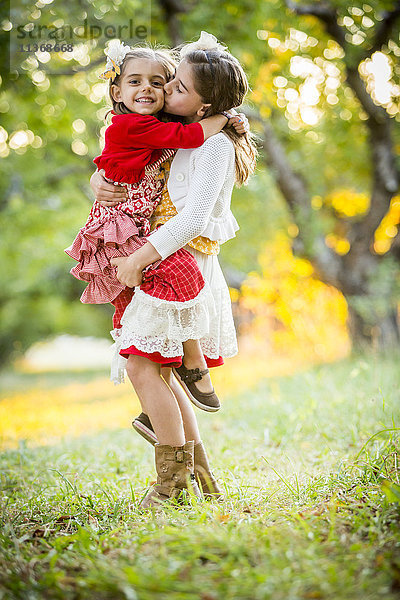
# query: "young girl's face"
[181,97]
[141,86]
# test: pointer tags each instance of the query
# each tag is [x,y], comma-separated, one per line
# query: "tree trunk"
[373,318]
[171,10]
[383,334]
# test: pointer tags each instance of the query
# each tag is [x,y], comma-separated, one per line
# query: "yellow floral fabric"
[166,210]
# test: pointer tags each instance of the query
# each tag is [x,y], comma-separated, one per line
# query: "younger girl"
[132,156]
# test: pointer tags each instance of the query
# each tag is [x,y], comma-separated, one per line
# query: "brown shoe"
[175,476]
[187,377]
[205,478]
[143,426]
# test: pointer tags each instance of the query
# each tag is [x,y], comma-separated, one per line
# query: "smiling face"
[141,86]
[181,97]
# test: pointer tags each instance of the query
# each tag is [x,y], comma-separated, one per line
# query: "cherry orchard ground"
[310,493]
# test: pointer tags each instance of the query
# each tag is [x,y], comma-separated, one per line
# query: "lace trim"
[118,366]
[221,228]
[150,318]
[141,298]
[218,338]
[211,347]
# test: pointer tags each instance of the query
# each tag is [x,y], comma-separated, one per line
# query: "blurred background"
[306,444]
[314,270]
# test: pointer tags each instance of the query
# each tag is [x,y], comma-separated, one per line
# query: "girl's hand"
[106,193]
[128,271]
[130,268]
[240,123]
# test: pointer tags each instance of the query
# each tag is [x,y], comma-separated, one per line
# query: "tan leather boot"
[175,475]
[204,475]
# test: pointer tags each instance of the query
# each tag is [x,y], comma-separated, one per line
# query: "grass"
[309,464]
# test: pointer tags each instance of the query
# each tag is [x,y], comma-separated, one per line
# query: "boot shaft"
[203,473]
[175,474]
[174,464]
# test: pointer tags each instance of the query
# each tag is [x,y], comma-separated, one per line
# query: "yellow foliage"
[342,246]
[293,311]
[316,202]
[348,203]
[338,244]
[265,112]
[388,228]
[262,93]
[247,58]
[47,415]
[293,230]
[234,294]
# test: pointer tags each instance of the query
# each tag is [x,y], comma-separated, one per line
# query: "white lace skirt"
[220,340]
[153,325]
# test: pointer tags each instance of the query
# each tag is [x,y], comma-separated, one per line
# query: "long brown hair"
[220,81]
[158,54]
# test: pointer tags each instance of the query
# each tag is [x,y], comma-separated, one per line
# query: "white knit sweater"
[200,186]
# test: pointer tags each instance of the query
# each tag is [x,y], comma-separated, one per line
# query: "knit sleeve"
[212,164]
[146,131]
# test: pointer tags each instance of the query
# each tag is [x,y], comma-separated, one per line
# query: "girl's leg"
[157,400]
[190,424]
[203,473]
[193,358]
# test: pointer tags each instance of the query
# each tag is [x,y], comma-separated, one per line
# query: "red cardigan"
[133,141]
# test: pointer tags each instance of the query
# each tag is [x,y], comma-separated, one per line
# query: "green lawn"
[310,467]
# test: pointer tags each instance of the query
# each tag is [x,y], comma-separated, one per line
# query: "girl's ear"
[116,93]
[202,110]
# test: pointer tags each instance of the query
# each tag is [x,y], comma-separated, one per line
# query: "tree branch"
[376,113]
[171,9]
[395,248]
[325,13]
[385,175]
[383,31]
[329,17]
[78,68]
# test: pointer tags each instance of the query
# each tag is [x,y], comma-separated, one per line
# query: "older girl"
[208,80]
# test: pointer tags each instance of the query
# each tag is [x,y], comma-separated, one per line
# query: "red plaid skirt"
[174,279]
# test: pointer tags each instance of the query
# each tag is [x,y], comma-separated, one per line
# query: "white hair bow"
[115,52]
[206,41]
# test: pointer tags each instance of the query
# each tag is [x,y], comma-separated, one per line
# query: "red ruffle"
[120,303]
[177,278]
[214,362]
[115,228]
[95,245]
[121,173]
[175,361]
[156,357]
